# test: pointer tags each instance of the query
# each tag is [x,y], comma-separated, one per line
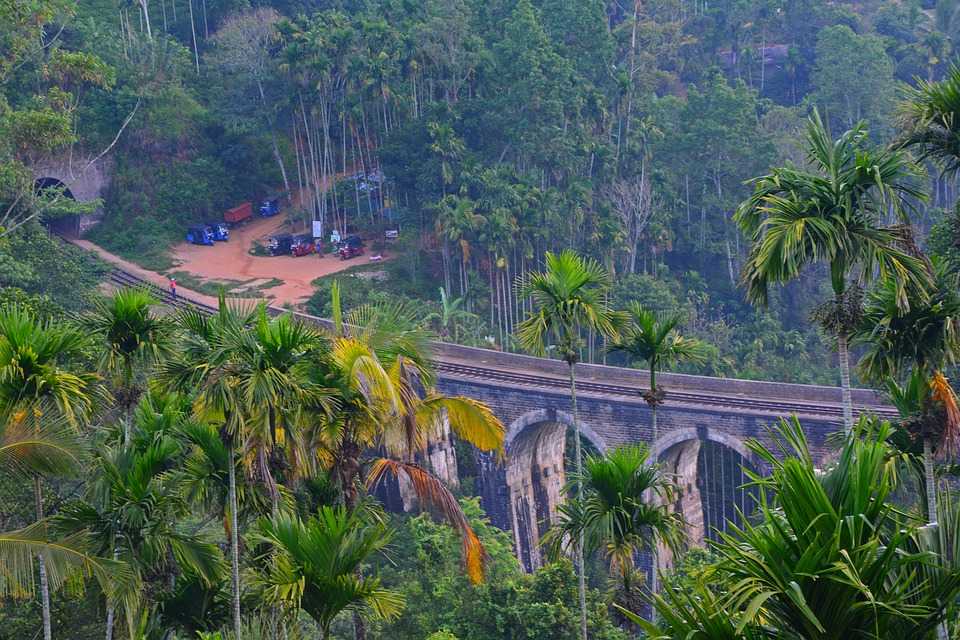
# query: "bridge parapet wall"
[639,378]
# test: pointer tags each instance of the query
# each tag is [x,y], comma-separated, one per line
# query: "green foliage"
[317,563]
[828,556]
[621,512]
[40,265]
[852,78]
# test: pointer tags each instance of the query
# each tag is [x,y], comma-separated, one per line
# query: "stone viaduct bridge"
[701,440]
[702,431]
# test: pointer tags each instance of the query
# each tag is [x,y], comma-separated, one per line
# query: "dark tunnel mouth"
[42,185]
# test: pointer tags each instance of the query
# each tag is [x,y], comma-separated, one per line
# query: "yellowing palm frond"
[64,558]
[942,392]
[364,374]
[33,441]
[432,492]
[470,420]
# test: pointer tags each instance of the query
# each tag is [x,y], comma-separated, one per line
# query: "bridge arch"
[541,416]
[535,475]
[709,468]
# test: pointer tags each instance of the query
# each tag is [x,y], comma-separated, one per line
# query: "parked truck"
[239,214]
[280,245]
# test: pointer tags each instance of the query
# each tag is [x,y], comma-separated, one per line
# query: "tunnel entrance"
[47,191]
[51,188]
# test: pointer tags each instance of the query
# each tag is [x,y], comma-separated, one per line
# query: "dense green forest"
[730,187]
[503,129]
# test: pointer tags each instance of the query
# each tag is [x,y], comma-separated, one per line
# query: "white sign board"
[317,229]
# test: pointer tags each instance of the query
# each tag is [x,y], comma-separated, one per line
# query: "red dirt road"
[232,261]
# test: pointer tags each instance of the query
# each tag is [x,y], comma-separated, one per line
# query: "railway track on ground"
[519,379]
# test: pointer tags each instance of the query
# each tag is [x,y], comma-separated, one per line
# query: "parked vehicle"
[303,245]
[270,207]
[351,246]
[199,235]
[280,245]
[239,214]
[219,231]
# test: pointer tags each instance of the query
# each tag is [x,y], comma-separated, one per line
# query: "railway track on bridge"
[457,370]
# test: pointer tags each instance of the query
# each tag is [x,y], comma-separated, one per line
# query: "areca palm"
[133,510]
[33,443]
[925,337]
[930,120]
[833,214]
[269,364]
[133,338]
[625,510]
[201,367]
[656,341]
[859,569]
[34,376]
[569,298]
[829,555]
[450,316]
[316,563]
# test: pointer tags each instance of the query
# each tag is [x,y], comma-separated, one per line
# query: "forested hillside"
[501,129]
[730,187]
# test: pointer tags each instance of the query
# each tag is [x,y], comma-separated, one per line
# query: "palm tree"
[926,338]
[201,367]
[449,316]
[657,342]
[379,367]
[828,555]
[569,298]
[317,561]
[625,510]
[269,364]
[33,377]
[133,510]
[133,337]
[930,120]
[35,441]
[832,214]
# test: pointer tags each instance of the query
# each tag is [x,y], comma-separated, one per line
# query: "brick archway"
[708,468]
[535,475]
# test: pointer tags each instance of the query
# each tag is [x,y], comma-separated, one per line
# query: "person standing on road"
[173,287]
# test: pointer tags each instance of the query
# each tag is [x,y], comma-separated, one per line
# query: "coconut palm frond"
[36,440]
[64,558]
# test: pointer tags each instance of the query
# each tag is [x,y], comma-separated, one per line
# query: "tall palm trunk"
[234,541]
[930,480]
[844,357]
[581,570]
[44,585]
[655,552]
[111,610]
